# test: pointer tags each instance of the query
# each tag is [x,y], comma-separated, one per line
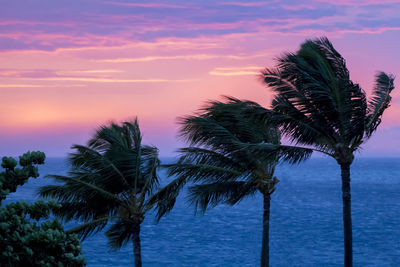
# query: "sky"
[67,67]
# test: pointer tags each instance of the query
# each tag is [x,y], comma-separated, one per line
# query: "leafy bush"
[27,237]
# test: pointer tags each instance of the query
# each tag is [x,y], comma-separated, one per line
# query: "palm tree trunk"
[265,234]
[136,247]
[348,235]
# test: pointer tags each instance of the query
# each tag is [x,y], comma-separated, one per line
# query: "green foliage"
[27,237]
[12,177]
[110,183]
[24,241]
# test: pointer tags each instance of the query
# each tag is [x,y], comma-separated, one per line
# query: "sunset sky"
[67,67]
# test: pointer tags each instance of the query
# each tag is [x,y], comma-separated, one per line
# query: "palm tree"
[223,172]
[111,182]
[317,105]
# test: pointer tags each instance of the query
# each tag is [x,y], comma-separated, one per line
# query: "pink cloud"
[181,57]
[40,85]
[243,4]
[359,3]
[54,75]
[300,7]
[19,85]
[236,71]
[109,80]
[147,5]
[35,23]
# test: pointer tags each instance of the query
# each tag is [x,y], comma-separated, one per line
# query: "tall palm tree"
[317,105]
[111,182]
[220,170]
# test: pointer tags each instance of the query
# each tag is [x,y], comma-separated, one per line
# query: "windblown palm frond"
[379,101]
[92,227]
[204,196]
[286,153]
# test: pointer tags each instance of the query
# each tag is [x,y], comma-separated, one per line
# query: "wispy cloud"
[44,73]
[36,22]
[39,85]
[63,72]
[74,75]
[243,4]
[19,85]
[181,57]
[110,80]
[146,5]
[236,71]
[26,73]
[358,2]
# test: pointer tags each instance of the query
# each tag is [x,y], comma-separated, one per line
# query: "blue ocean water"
[305,230]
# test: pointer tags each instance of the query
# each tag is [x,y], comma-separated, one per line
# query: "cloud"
[120,26]
[36,22]
[61,72]
[53,41]
[181,57]
[19,85]
[236,71]
[358,2]
[44,73]
[39,85]
[110,80]
[65,75]
[145,5]
[243,4]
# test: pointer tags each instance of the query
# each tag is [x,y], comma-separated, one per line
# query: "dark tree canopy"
[13,177]
[27,237]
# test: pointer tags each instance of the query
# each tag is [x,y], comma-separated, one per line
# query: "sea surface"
[305,225]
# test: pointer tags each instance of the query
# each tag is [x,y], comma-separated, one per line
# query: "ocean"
[305,223]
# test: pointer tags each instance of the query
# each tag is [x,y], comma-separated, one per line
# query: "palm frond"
[203,172]
[107,137]
[316,102]
[88,159]
[207,157]
[130,134]
[84,211]
[121,232]
[204,131]
[285,153]
[379,101]
[86,229]
[149,172]
[299,118]
[164,200]
[75,187]
[204,196]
